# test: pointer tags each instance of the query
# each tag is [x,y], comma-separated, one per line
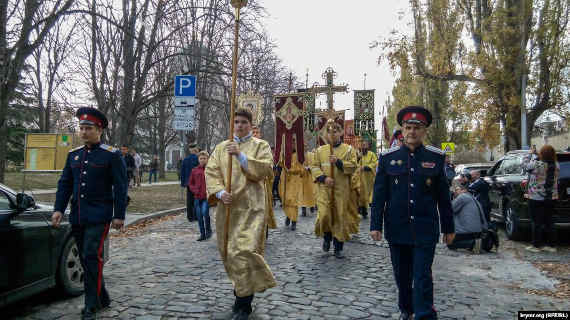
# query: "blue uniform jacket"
[189,163]
[96,181]
[480,189]
[411,196]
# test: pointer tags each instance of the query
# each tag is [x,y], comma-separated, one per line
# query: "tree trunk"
[162,118]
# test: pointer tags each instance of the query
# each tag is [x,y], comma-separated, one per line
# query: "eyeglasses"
[241,121]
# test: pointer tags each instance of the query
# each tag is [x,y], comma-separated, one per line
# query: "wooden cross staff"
[237,4]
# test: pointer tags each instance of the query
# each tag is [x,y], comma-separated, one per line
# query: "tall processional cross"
[329,88]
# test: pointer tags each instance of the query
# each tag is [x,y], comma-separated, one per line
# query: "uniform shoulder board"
[108,147]
[435,150]
[76,149]
[390,150]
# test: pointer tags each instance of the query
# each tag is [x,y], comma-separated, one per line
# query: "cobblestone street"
[163,273]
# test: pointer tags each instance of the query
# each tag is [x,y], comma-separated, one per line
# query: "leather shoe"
[293,225]
[202,238]
[240,315]
[405,316]
[287,222]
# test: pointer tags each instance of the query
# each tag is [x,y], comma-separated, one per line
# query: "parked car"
[468,167]
[508,185]
[34,256]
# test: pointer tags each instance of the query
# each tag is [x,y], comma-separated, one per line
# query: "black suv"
[508,184]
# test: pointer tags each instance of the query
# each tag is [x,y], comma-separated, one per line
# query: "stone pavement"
[165,274]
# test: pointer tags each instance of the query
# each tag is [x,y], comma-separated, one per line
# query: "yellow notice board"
[47,151]
[448,147]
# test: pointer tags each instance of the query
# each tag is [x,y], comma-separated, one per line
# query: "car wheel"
[512,224]
[70,272]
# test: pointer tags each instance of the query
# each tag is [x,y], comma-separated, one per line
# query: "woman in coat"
[542,192]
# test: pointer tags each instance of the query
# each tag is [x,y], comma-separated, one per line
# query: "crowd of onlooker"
[472,207]
[136,168]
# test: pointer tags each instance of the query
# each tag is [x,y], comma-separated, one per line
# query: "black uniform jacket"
[411,196]
[95,179]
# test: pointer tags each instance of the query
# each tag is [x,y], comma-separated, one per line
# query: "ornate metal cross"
[329,88]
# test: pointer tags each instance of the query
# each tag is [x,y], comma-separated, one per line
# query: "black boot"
[287,221]
[293,225]
[242,308]
[338,246]
[304,211]
[363,212]
[312,209]
[327,242]
[266,233]
[405,315]
[88,314]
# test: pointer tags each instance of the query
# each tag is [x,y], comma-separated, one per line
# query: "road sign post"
[184,105]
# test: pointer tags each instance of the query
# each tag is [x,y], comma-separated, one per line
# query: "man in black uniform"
[480,189]
[95,178]
[411,198]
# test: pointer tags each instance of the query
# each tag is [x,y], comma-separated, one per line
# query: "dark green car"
[507,187]
[34,255]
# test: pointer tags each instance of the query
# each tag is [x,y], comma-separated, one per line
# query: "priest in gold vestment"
[290,187]
[271,223]
[355,190]
[252,165]
[332,219]
[368,164]
[307,197]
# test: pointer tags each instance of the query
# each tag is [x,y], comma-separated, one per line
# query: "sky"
[316,34]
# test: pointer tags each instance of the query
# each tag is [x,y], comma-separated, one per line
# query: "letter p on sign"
[185,86]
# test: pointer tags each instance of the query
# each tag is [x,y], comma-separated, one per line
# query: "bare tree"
[22,30]
[46,74]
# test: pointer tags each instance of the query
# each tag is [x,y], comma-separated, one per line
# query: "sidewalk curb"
[155,215]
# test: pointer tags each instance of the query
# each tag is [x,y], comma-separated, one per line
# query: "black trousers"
[464,240]
[412,271]
[543,232]
[190,212]
[90,243]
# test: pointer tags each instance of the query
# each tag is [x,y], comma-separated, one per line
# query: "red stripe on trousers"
[100,259]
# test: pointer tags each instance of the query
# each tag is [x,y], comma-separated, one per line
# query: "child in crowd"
[198,187]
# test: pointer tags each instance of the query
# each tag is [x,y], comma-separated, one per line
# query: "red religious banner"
[289,127]
[349,137]
[322,118]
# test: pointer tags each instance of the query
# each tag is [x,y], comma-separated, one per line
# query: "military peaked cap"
[91,116]
[414,114]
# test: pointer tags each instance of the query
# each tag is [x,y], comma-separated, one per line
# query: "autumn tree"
[508,41]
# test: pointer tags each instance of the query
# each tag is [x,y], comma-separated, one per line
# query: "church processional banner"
[321,121]
[254,103]
[364,114]
[289,127]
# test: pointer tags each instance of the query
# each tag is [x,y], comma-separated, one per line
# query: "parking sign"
[185,86]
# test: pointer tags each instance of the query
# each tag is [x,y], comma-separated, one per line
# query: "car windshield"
[8,190]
